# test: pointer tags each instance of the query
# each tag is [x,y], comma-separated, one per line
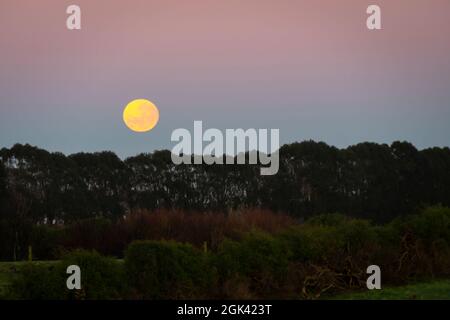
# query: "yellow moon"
[141,115]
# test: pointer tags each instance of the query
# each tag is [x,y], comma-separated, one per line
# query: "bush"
[40,282]
[101,278]
[332,219]
[424,243]
[328,238]
[168,270]
[356,236]
[433,224]
[258,257]
[310,243]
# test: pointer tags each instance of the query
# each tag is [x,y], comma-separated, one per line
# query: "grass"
[434,290]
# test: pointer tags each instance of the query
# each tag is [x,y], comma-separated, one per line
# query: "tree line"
[367,180]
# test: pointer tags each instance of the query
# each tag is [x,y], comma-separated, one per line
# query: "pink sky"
[310,68]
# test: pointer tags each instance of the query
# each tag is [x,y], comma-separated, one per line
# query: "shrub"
[310,243]
[425,243]
[356,235]
[167,270]
[258,257]
[39,282]
[199,227]
[101,278]
[329,254]
[332,219]
[433,224]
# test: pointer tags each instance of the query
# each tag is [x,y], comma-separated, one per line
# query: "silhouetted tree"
[369,180]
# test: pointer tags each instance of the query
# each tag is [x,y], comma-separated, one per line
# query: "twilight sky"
[310,68]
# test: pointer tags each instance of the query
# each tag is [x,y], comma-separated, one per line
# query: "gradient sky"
[310,68]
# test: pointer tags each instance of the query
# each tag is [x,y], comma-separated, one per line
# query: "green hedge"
[166,269]
[101,278]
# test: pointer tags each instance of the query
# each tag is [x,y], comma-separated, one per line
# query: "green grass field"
[433,290]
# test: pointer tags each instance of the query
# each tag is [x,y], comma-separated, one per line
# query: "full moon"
[141,115]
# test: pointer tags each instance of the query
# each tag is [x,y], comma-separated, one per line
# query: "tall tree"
[2,182]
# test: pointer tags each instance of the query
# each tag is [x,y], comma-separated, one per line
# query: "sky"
[309,68]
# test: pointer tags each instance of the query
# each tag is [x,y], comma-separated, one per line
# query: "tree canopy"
[367,180]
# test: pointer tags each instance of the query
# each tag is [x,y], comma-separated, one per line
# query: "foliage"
[165,269]
[101,278]
[433,224]
[258,257]
[324,256]
[80,192]
[367,180]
